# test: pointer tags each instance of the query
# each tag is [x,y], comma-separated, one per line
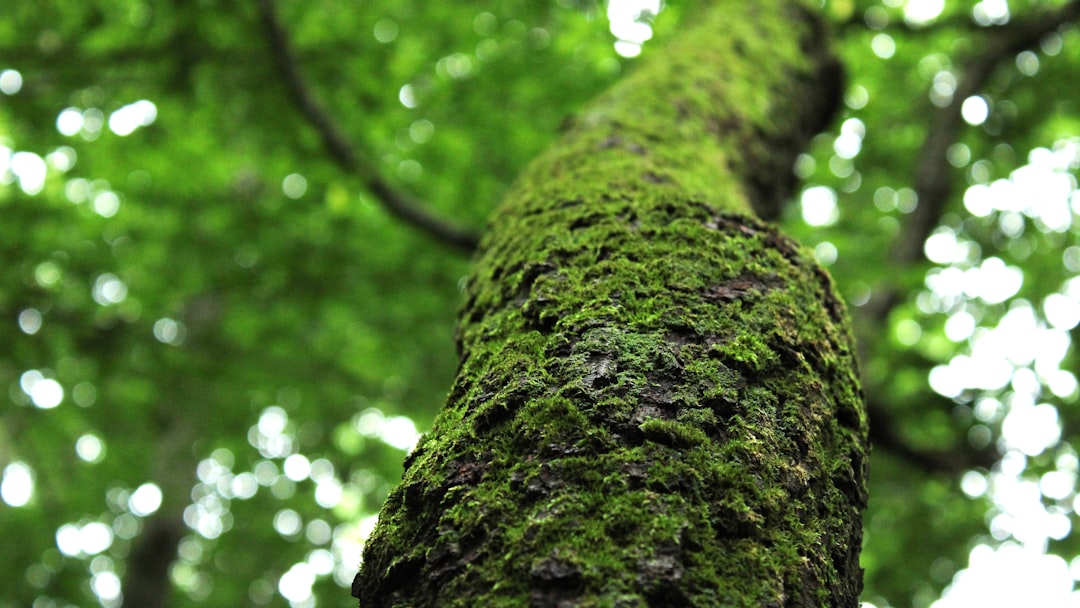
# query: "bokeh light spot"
[410,171]
[297,467]
[295,585]
[124,121]
[106,203]
[1031,429]
[922,12]
[170,331]
[328,493]
[69,122]
[84,394]
[30,170]
[145,500]
[629,23]
[825,253]
[975,110]
[68,539]
[959,326]
[17,484]
[287,522]
[407,96]
[11,82]
[857,97]
[991,12]
[485,24]
[974,484]
[386,30]
[883,46]
[272,421]
[421,131]
[108,290]
[1009,576]
[908,332]
[106,586]
[46,393]
[941,247]
[294,185]
[90,448]
[959,155]
[1028,63]
[318,532]
[62,158]
[29,321]
[95,537]
[819,206]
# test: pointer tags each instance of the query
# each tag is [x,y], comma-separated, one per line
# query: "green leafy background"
[214,294]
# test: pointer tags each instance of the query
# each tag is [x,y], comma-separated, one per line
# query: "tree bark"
[657,403]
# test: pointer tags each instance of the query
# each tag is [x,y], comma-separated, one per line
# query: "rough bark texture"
[657,403]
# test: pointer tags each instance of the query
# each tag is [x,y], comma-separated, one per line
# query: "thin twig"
[397,203]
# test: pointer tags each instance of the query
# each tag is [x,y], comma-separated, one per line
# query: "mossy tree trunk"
[657,403]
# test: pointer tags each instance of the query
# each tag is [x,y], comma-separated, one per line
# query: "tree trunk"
[657,403]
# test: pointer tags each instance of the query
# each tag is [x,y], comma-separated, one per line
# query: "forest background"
[219,342]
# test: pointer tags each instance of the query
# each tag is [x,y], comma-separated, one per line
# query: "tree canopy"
[234,237]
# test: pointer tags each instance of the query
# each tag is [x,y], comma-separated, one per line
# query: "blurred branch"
[958,23]
[146,583]
[884,436]
[933,181]
[397,203]
[858,21]
[933,177]
[89,62]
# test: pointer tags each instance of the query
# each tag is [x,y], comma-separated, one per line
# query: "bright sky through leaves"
[1023,351]
[17,484]
[629,22]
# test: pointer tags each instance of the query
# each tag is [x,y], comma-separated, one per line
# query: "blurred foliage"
[214,295]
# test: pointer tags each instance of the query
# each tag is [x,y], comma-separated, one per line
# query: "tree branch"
[858,21]
[397,203]
[933,182]
[933,179]
[884,436]
[934,186]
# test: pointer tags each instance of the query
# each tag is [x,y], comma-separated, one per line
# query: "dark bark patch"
[832,304]
[556,583]
[528,278]
[729,292]
[356,586]
[601,371]
[402,572]
[660,576]
[616,141]
[742,286]
[466,471]
[540,484]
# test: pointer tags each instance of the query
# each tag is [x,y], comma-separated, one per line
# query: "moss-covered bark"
[657,403]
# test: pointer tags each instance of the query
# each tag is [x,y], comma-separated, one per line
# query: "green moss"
[673,433]
[657,402]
